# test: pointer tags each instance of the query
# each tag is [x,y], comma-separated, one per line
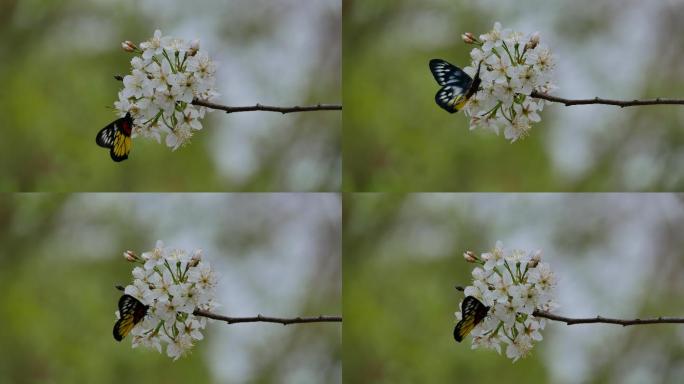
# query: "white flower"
[179,346]
[519,127]
[492,39]
[163,83]
[519,347]
[203,276]
[154,257]
[513,66]
[513,284]
[505,311]
[528,110]
[542,276]
[531,328]
[494,258]
[502,286]
[193,328]
[525,298]
[173,283]
[178,137]
[155,46]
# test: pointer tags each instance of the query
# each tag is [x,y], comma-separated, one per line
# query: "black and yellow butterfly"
[457,86]
[131,312]
[117,137]
[472,313]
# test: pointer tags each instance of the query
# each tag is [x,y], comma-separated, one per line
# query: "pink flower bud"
[468,38]
[470,256]
[128,46]
[130,256]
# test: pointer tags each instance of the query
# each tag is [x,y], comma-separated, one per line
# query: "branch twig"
[607,320]
[260,107]
[268,108]
[598,100]
[267,319]
[600,319]
[261,319]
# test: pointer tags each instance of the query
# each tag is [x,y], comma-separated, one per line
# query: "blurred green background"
[61,256]
[58,59]
[396,138]
[616,255]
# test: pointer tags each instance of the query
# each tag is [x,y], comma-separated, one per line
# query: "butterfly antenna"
[459,288]
[120,288]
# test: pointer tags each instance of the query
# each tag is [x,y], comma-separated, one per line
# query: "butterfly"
[131,312]
[472,313]
[117,137]
[457,86]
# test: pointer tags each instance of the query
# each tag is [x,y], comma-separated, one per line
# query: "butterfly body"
[457,86]
[131,312]
[117,137]
[472,313]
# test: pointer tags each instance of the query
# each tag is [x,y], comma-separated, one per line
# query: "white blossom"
[513,284]
[165,79]
[513,66]
[172,283]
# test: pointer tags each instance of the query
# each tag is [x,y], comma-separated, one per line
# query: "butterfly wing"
[105,138]
[121,148]
[455,84]
[473,312]
[117,137]
[132,311]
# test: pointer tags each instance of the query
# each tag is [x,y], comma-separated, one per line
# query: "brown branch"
[607,320]
[260,107]
[600,319]
[268,108]
[268,319]
[261,319]
[598,100]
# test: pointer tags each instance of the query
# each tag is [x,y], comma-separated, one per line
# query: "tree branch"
[260,107]
[607,320]
[599,319]
[267,319]
[268,108]
[598,100]
[259,318]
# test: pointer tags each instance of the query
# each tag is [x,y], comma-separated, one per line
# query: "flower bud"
[130,256]
[196,258]
[468,38]
[194,47]
[536,258]
[128,46]
[534,41]
[470,256]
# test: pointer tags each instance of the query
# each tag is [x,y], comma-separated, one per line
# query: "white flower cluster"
[167,76]
[513,284]
[513,66]
[173,283]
